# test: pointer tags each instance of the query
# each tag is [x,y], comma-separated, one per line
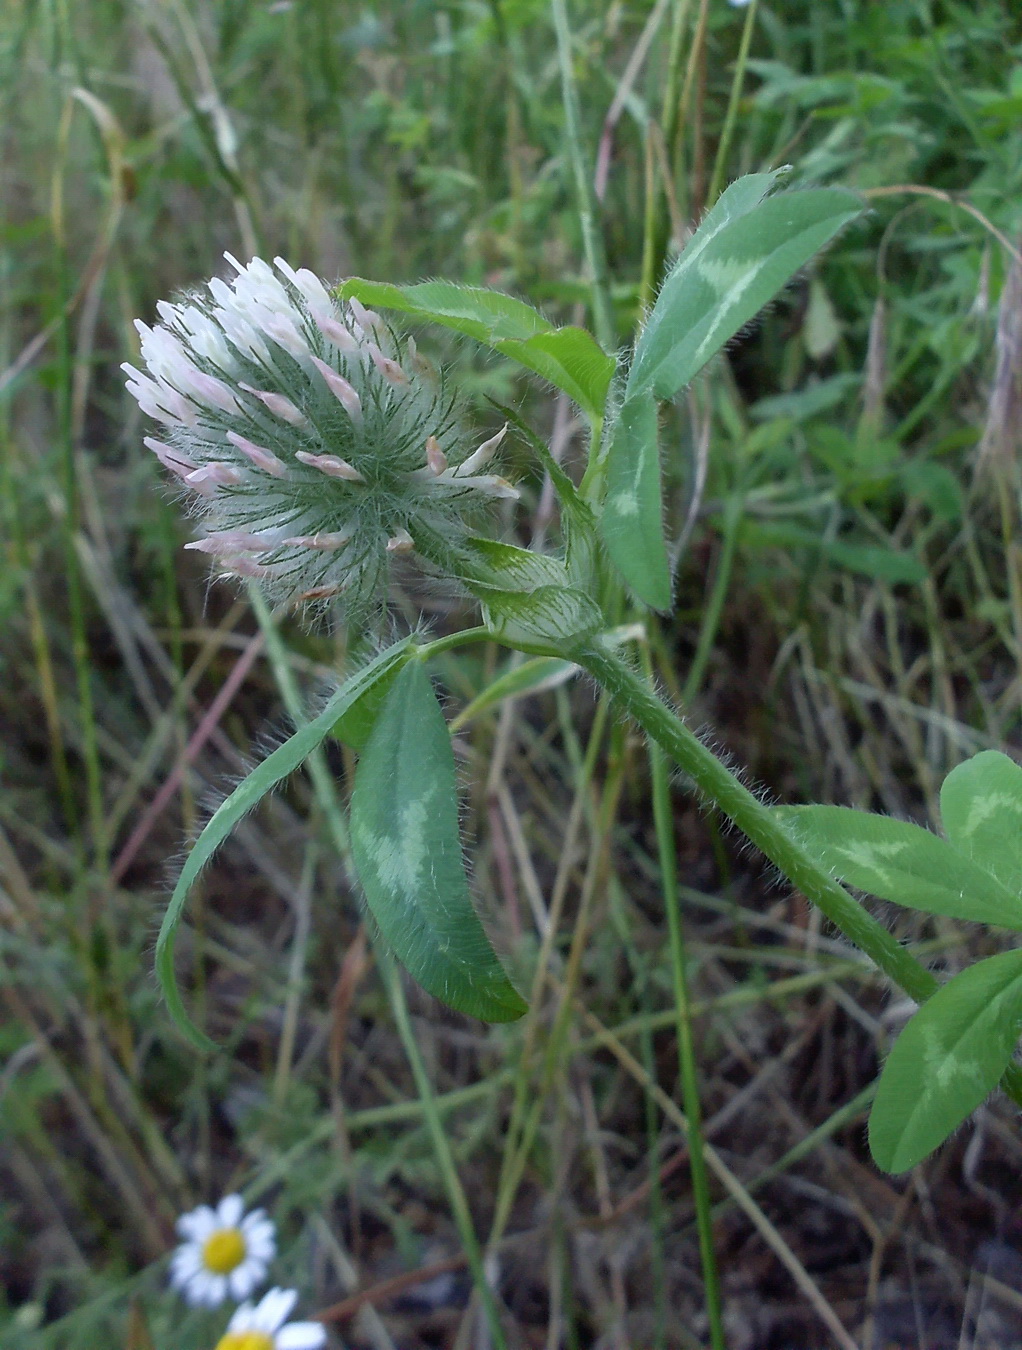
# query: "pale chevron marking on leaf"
[944,1067]
[626,503]
[871,855]
[981,808]
[399,857]
[730,278]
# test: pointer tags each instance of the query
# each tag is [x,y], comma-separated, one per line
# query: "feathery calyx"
[317,443]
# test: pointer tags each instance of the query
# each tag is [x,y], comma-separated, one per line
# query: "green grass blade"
[276,767]
[407,852]
[951,1054]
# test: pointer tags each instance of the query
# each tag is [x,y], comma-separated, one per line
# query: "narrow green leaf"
[632,520]
[981,810]
[735,263]
[277,766]
[406,850]
[949,1057]
[530,677]
[488,316]
[569,358]
[901,862]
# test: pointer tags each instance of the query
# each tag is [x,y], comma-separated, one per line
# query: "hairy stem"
[719,786]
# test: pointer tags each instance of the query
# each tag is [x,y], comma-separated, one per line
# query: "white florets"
[224,1252]
[265,1326]
[316,442]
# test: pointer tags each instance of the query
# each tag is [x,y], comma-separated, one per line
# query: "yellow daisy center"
[221,1252]
[245,1340]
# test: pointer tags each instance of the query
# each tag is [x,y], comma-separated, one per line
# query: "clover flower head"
[265,1326]
[225,1252]
[315,442]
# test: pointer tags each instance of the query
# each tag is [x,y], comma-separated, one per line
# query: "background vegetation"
[848,623]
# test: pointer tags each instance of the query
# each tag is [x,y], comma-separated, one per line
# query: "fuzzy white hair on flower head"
[265,1326]
[315,444]
[224,1252]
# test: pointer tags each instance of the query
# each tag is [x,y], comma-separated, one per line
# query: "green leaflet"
[528,599]
[497,564]
[632,520]
[743,253]
[735,201]
[277,766]
[406,850]
[900,862]
[543,619]
[570,358]
[951,1054]
[981,810]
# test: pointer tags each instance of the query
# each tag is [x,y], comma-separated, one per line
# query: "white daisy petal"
[198,1224]
[242,1281]
[273,1311]
[230,1210]
[268,1319]
[186,1263]
[301,1336]
[241,1319]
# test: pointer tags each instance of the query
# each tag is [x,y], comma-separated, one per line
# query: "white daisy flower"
[225,1251]
[265,1326]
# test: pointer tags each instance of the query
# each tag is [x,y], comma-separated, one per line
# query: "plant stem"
[669,116]
[592,237]
[718,594]
[719,786]
[723,789]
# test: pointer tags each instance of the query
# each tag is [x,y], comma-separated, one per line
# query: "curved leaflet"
[632,521]
[945,1062]
[570,358]
[407,853]
[900,862]
[981,810]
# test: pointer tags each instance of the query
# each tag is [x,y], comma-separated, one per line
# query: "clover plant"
[317,448]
